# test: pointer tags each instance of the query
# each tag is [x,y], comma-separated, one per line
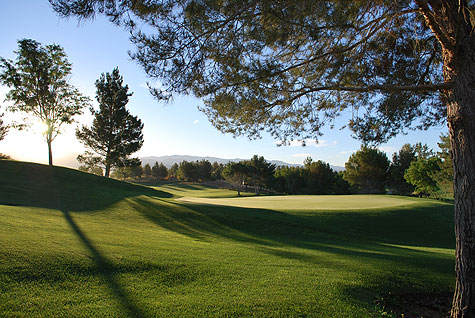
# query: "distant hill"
[168,161]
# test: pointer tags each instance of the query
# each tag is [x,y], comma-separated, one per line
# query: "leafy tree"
[341,186]
[290,180]
[3,128]
[39,87]
[147,170]
[194,171]
[420,174]
[132,170]
[204,169]
[155,170]
[121,173]
[186,171]
[400,163]
[367,170]
[159,171]
[115,134]
[260,172]
[320,177]
[316,177]
[136,170]
[445,176]
[217,171]
[423,151]
[236,173]
[289,67]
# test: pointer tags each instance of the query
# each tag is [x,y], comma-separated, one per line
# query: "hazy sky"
[95,47]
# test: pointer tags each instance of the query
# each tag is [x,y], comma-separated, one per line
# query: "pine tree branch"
[384,88]
[439,32]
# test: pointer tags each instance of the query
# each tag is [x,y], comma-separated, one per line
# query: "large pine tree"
[115,134]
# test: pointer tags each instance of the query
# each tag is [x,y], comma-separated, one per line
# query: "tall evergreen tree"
[291,180]
[260,172]
[159,171]
[39,87]
[147,170]
[115,134]
[217,171]
[320,177]
[400,163]
[173,170]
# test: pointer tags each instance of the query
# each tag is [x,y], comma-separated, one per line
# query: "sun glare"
[39,127]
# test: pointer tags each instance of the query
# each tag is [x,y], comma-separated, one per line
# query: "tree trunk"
[459,68]
[50,152]
[107,160]
[108,170]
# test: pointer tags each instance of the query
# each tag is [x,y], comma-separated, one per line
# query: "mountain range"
[168,161]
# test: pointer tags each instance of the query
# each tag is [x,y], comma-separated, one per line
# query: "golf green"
[308,202]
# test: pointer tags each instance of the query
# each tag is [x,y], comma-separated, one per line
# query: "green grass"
[77,245]
[309,202]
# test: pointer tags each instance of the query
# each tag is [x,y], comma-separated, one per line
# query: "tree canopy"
[367,170]
[401,162]
[236,173]
[115,133]
[420,174]
[159,171]
[39,87]
[147,170]
[288,67]
[316,177]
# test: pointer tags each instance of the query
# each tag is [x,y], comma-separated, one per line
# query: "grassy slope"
[76,245]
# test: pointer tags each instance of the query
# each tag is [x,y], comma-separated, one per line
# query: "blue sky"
[95,47]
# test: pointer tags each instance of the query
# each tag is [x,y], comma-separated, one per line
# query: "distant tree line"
[413,170]
[187,171]
[256,172]
[315,177]
[431,174]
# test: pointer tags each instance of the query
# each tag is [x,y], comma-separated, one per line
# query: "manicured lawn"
[77,245]
[310,202]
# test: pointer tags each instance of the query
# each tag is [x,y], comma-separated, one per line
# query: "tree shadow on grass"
[188,222]
[430,226]
[388,249]
[107,272]
[396,238]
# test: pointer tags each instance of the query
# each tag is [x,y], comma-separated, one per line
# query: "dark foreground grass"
[77,245]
